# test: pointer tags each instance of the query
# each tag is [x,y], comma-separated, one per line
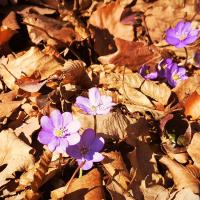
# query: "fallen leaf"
[192,105]
[181,176]
[119,176]
[194,148]
[140,54]
[10,155]
[87,187]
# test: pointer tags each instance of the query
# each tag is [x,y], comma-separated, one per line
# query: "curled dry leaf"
[40,170]
[194,149]
[108,17]
[181,176]
[140,54]
[7,108]
[10,155]
[112,125]
[187,87]
[184,194]
[119,176]
[57,35]
[192,105]
[87,187]
[28,63]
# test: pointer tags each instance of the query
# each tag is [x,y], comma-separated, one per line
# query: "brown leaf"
[192,105]
[57,35]
[112,125]
[87,187]
[10,155]
[132,54]
[108,17]
[28,63]
[194,149]
[10,21]
[7,108]
[181,176]
[120,179]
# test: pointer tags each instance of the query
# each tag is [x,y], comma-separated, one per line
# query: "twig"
[186,55]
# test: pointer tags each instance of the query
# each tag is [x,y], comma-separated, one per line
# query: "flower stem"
[73,175]
[186,56]
[95,123]
[80,173]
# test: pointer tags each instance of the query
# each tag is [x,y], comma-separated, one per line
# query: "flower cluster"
[167,70]
[182,35]
[60,132]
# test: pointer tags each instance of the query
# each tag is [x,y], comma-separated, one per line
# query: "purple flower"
[175,74]
[95,104]
[145,73]
[59,131]
[87,149]
[181,35]
[163,67]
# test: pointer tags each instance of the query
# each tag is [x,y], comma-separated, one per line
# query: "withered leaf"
[87,187]
[10,155]
[132,54]
[181,176]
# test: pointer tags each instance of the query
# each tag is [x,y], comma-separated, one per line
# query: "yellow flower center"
[58,133]
[93,108]
[182,37]
[147,71]
[176,77]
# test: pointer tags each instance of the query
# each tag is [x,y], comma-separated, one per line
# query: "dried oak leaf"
[108,17]
[132,54]
[184,194]
[14,155]
[30,62]
[119,176]
[194,149]
[112,125]
[187,87]
[87,187]
[58,34]
[181,176]
[8,28]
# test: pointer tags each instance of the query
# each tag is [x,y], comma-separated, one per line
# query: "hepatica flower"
[59,131]
[145,73]
[96,104]
[164,66]
[175,74]
[182,35]
[87,149]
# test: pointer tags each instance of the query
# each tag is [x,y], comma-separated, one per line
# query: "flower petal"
[73,126]
[56,119]
[171,33]
[63,144]
[94,96]
[74,151]
[67,118]
[97,157]
[88,137]
[46,123]
[45,137]
[97,144]
[84,104]
[190,39]
[88,164]
[172,40]
[73,138]
[53,144]
[187,27]
[179,26]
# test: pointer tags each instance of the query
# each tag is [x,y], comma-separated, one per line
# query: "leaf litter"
[139,138]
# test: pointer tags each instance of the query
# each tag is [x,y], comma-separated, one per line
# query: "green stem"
[80,173]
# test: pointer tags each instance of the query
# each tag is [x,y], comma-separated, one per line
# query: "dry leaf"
[181,176]
[132,54]
[13,150]
[194,149]
[87,187]
[58,34]
[119,176]
[30,62]
[112,125]
[192,105]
